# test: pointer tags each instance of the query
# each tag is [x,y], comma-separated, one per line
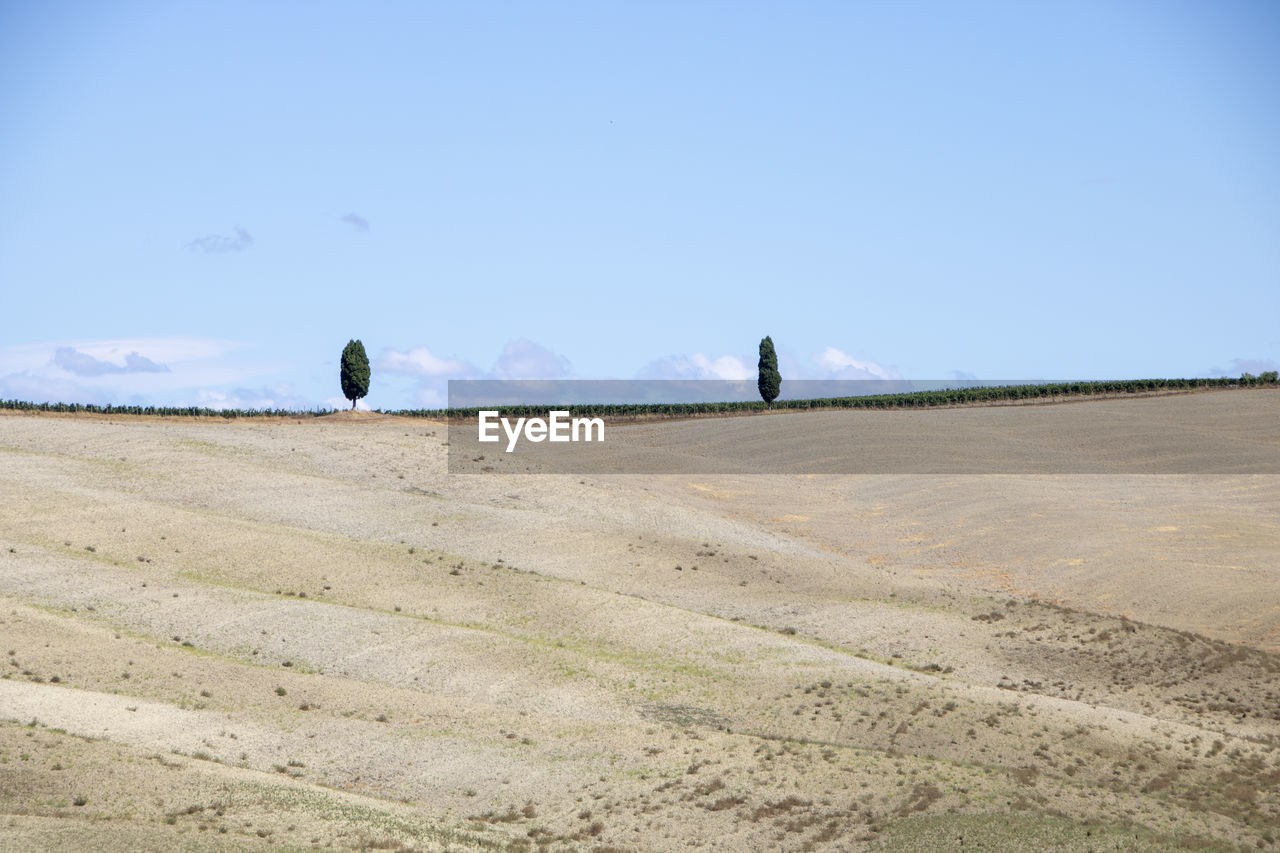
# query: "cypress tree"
[355,372]
[770,381]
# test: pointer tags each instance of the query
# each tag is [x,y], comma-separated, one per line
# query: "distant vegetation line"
[904,400]
[163,411]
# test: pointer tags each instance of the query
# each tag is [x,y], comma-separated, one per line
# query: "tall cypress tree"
[770,381]
[355,372]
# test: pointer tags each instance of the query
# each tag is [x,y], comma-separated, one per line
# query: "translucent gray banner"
[861,427]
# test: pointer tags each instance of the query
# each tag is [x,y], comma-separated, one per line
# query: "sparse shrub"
[725,803]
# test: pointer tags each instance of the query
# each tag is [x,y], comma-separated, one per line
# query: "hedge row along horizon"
[908,399]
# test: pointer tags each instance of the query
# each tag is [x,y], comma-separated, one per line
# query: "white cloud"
[343,404]
[79,363]
[163,350]
[420,361]
[698,366]
[519,359]
[429,398]
[1240,366]
[266,397]
[356,221]
[217,244]
[831,363]
[162,371]
[29,387]
[523,359]
[835,364]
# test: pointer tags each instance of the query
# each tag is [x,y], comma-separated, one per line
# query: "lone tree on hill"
[355,372]
[770,381]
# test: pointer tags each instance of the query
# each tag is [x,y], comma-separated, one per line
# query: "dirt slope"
[240,635]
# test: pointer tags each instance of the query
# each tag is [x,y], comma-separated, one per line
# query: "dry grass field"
[297,635]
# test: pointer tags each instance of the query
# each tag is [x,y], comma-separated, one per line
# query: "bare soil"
[244,635]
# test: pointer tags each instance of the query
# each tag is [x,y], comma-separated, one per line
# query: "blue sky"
[201,203]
